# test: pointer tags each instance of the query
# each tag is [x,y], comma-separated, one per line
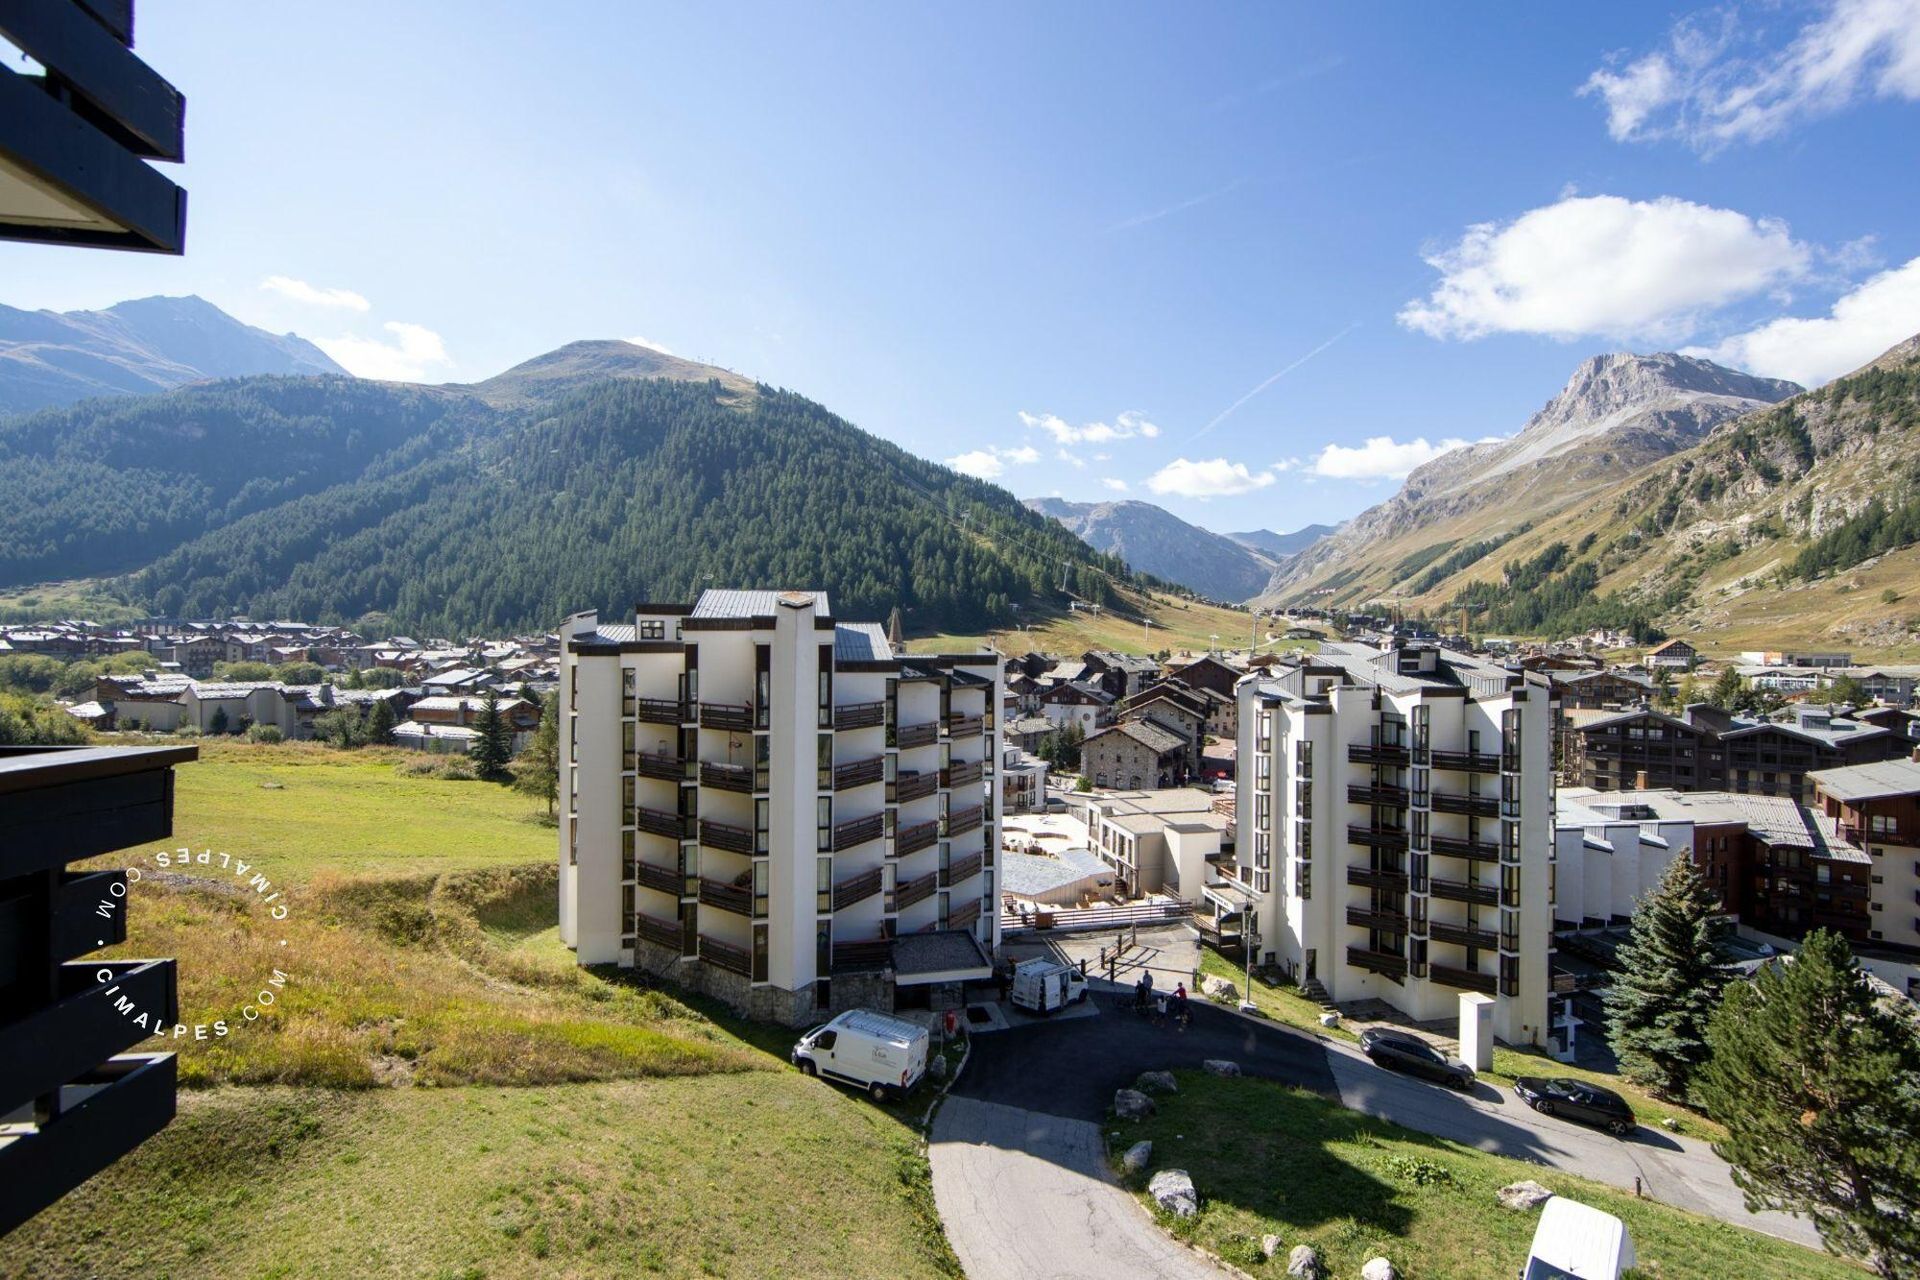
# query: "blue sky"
[1248,262]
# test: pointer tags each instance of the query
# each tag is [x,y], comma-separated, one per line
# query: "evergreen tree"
[494,747]
[1726,690]
[1818,1084]
[217,722]
[537,772]
[1669,982]
[1663,688]
[380,724]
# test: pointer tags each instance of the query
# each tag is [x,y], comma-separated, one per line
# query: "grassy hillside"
[1175,624]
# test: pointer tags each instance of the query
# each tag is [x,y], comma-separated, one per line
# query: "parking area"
[1170,952]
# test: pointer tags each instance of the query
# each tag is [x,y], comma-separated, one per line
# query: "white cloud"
[1113,483]
[1606,266]
[1129,425]
[651,345]
[1073,460]
[991,463]
[1379,458]
[313,295]
[1211,478]
[1704,90]
[1862,324]
[407,358]
[1024,453]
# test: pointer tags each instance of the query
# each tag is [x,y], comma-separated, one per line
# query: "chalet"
[1673,655]
[1086,705]
[1135,754]
[1208,672]
[1120,674]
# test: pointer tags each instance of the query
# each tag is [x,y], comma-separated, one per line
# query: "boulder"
[1378,1269]
[938,1067]
[1131,1104]
[1135,1161]
[1523,1195]
[1217,988]
[1329,1019]
[1221,1067]
[1269,1245]
[1173,1191]
[1157,1082]
[1305,1263]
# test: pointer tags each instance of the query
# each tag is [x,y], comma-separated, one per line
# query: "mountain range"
[1279,546]
[1153,540]
[49,358]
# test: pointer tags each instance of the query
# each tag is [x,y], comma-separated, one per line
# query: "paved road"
[1042,1090]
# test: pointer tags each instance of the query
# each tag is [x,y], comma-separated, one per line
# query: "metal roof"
[861,642]
[721,603]
[1870,781]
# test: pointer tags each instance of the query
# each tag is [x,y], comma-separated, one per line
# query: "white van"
[1575,1241]
[873,1051]
[1043,986]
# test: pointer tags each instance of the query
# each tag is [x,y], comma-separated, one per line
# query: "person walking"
[1180,1006]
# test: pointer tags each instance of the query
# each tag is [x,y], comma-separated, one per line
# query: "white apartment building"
[1395,830]
[1610,850]
[776,808]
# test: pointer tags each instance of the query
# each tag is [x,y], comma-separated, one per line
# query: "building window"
[1306,759]
[823,884]
[823,823]
[1509,885]
[1509,975]
[1303,880]
[1883,824]
[653,629]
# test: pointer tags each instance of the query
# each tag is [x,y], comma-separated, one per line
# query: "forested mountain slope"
[1154,540]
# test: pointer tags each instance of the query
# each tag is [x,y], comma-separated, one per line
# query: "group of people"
[1144,1001]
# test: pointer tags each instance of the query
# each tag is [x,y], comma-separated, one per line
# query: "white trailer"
[1043,986]
[1575,1241]
[873,1051]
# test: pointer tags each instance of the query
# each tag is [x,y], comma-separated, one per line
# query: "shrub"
[265,733]
[1422,1173]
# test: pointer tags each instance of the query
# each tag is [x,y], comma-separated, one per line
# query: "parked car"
[873,1051]
[1576,1100]
[1411,1054]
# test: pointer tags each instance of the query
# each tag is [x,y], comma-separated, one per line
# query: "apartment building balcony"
[1480,895]
[916,735]
[912,786]
[860,715]
[965,915]
[1458,847]
[1384,963]
[858,831]
[1378,837]
[912,839]
[728,777]
[1478,806]
[965,726]
[661,933]
[857,888]
[726,715]
[663,711]
[1376,753]
[1466,761]
[665,879]
[724,835]
[726,955]
[661,822]
[1365,793]
[1462,936]
[858,773]
[1368,878]
[1385,921]
[959,871]
[1447,975]
[651,764]
[863,956]
[960,775]
[918,889]
[727,897]
[961,821]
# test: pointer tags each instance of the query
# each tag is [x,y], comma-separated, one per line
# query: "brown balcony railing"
[916,735]
[726,955]
[1484,895]
[963,916]
[1479,806]
[1362,753]
[726,715]
[727,777]
[1462,936]
[965,726]
[860,715]
[912,786]
[868,954]
[959,871]
[728,897]
[1367,877]
[665,879]
[662,933]
[1385,921]
[1384,963]
[961,821]
[724,835]
[960,775]
[662,823]
[857,831]
[651,764]
[1463,979]
[1467,761]
[918,889]
[1361,793]
[1378,837]
[663,710]
[858,773]
[856,889]
[914,838]
[1477,850]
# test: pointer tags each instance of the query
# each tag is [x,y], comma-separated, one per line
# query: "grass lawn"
[1282,1003]
[1269,1159]
[1177,624]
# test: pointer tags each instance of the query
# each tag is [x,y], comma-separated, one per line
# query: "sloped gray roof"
[861,642]
[721,603]
[1870,781]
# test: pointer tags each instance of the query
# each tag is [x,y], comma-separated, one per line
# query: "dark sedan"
[1576,1100]
[1403,1052]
